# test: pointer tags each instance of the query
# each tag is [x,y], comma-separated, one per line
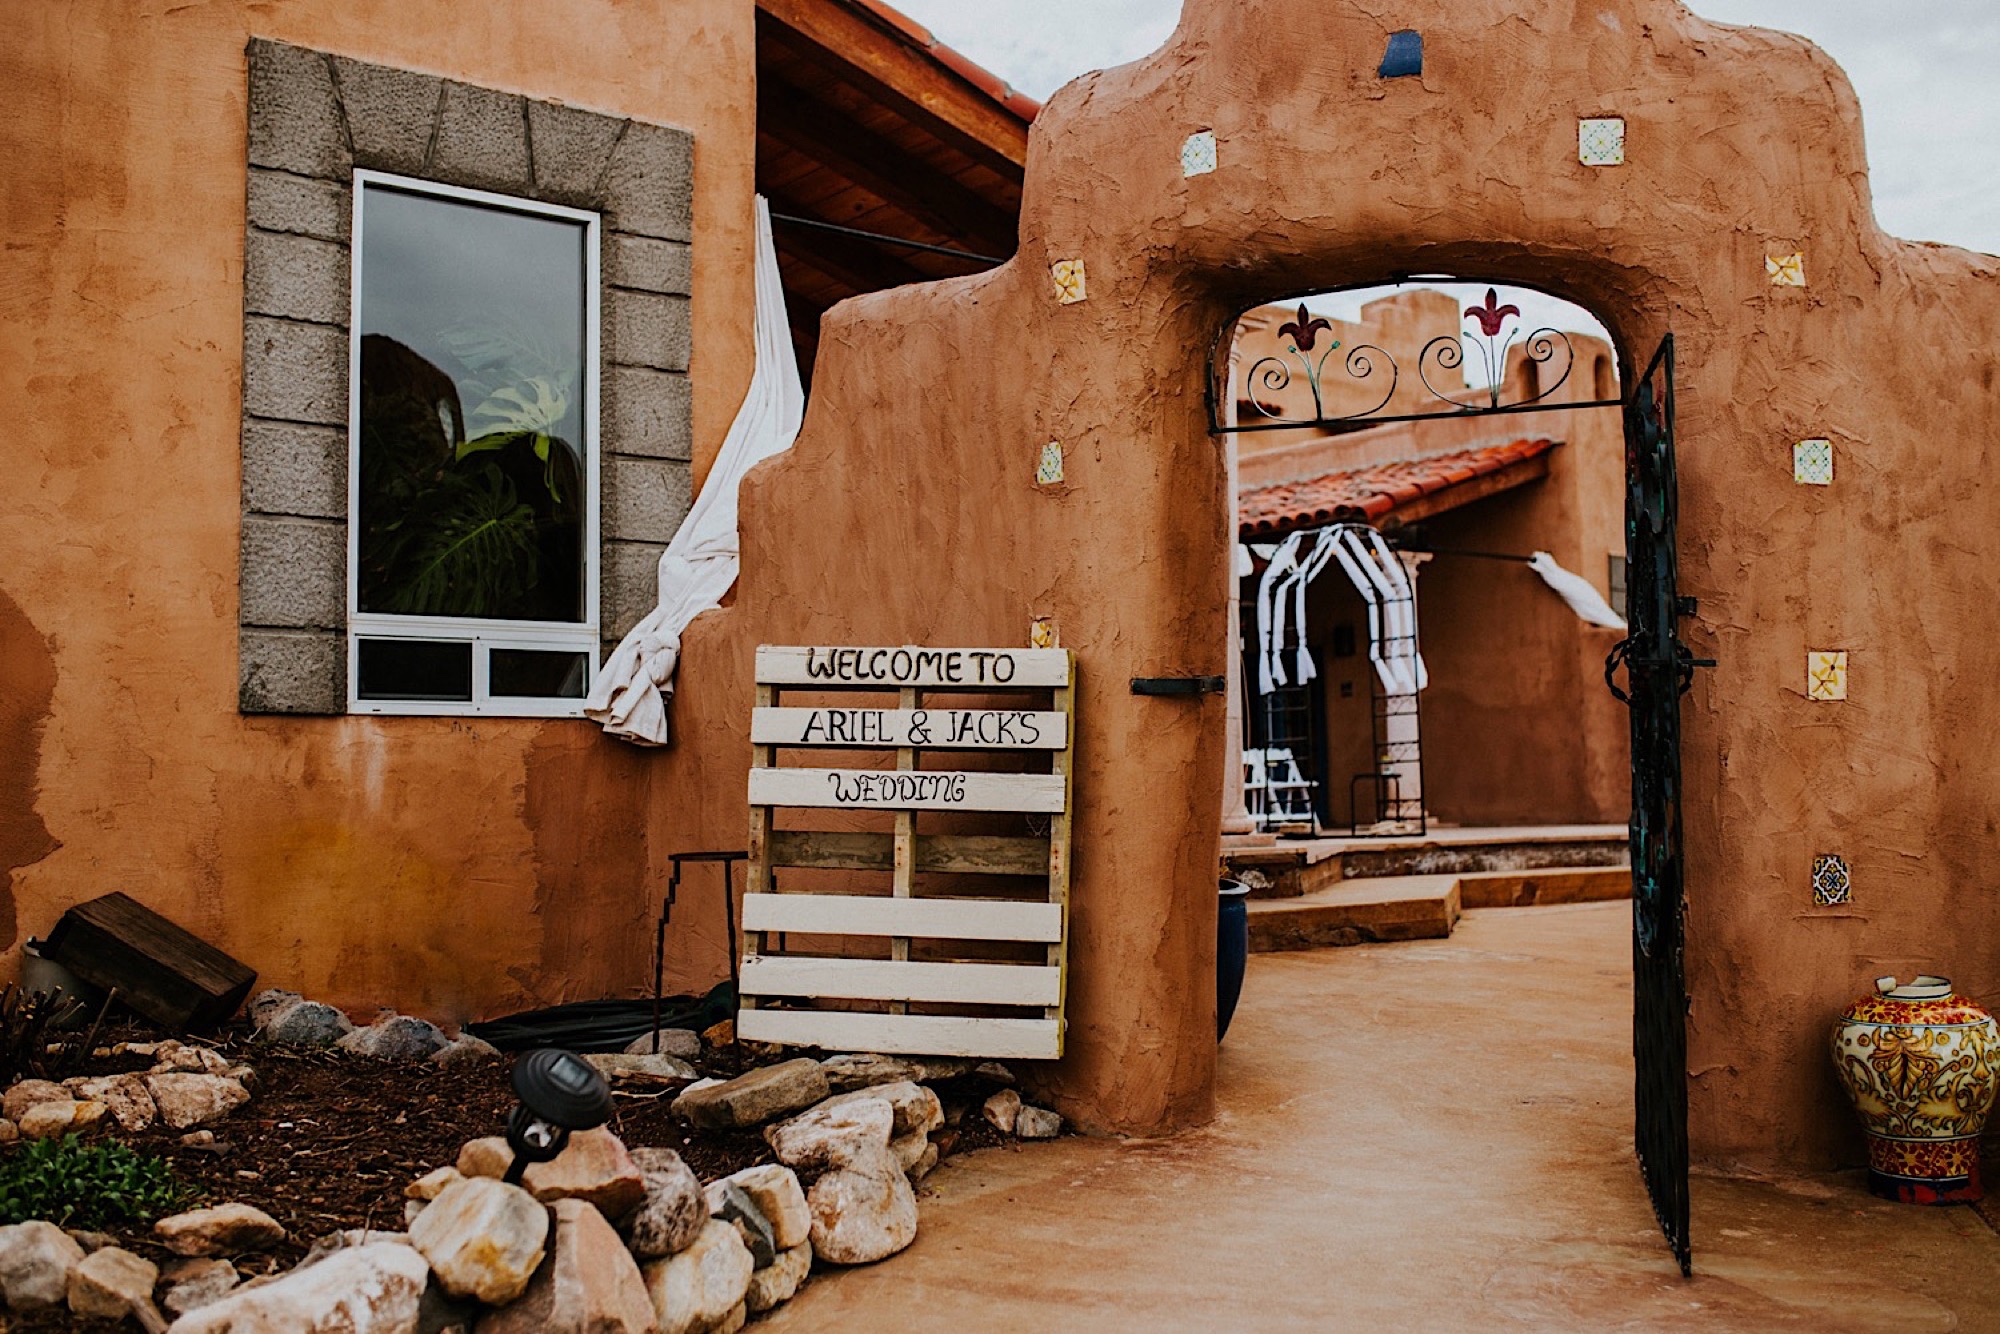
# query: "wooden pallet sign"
[983,1008]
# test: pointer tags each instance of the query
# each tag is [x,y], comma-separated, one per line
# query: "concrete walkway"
[1424,1136]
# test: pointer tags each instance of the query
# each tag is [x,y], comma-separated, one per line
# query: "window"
[473,453]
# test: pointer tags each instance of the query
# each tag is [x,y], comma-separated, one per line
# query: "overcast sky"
[1927,71]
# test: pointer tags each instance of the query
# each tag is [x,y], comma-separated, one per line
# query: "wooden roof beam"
[927,91]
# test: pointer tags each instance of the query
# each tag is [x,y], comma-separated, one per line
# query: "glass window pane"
[471,445]
[537,674]
[420,669]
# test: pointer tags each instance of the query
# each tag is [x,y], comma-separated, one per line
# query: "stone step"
[1555,884]
[1472,858]
[1415,907]
[1283,872]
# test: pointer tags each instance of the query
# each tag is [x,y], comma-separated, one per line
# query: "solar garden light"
[559,1092]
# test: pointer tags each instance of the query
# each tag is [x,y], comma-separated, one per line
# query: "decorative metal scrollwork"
[1373,369]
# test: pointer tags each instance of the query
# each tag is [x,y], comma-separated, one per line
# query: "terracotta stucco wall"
[448,867]
[908,510]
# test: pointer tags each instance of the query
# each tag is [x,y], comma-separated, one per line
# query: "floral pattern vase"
[1920,1065]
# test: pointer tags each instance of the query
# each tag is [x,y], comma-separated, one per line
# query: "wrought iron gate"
[1658,669]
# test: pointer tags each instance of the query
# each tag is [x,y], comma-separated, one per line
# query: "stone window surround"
[315,118]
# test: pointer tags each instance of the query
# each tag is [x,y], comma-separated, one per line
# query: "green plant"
[74,1184]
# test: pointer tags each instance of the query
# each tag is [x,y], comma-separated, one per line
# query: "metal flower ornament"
[1546,353]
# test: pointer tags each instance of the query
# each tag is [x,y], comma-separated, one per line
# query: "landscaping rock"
[917,1109]
[590,1283]
[754,1098]
[287,1019]
[921,1168]
[593,1166]
[396,1037]
[194,1284]
[188,1058]
[661,1069]
[828,1137]
[113,1283]
[776,1192]
[674,1211]
[727,1202]
[430,1184]
[1001,1110]
[9,1132]
[735,1320]
[1037,1123]
[994,1072]
[721,1034]
[908,1150]
[124,1095]
[333,1243]
[188,1100]
[25,1094]
[684,1043]
[466,1049]
[438,1312]
[776,1283]
[862,1212]
[373,1289]
[412,1210]
[35,1263]
[483,1238]
[198,1139]
[863,1070]
[485,1157]
[90,1241]
[225,1229]
[698,1290]
[48,1120]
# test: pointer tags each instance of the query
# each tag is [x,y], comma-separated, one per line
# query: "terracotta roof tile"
[1368,494]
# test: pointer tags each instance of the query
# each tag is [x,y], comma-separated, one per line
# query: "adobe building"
[470,863]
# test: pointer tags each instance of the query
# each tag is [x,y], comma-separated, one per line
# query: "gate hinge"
[1179,685]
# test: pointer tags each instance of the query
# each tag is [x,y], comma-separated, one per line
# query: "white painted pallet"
[778,987]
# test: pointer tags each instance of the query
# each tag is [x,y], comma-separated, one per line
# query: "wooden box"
[166,974]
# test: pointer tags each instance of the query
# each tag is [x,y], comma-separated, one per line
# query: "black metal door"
[1658,671]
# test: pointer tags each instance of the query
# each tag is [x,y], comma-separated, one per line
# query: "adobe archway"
[909,509]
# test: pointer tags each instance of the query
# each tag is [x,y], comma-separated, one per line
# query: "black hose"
[604,1025]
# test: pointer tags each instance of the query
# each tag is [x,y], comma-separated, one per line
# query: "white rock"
[47,1120]
[465,1049]
[193,1284]
[917,1109]
[27,1092]
[485,1157]
[189,1058]
[373,1289]
[673,1212]
[866,1069]
[776,1192]
[776,1282]
[921,1168]
[483,1239]
[754,1097]
[684,1043]
[412,1210]
[188,1100]
[1037,1123]
[111,1283]
[224,1229]
[1001,1109]
[125,1095]
[828,1137]
[590,1283]
[430,1184]
[699,1289]
[9,1132]
[593,1166]
[862,1212]
[908,1150]
[661,1069]
[35,1263]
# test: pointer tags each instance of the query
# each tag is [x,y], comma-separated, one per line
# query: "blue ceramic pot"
[1232,950]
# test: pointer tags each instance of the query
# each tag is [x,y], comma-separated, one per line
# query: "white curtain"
[700,563]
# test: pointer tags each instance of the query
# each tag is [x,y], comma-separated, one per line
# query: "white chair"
[1288,794]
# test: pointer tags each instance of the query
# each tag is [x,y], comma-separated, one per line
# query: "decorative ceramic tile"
[1068,274]
[1600,142]
[1812,462]
[1830,880]
[1049,470]
[1042,633]
[1198,153]
[1826,675]
[1786,270]
[1404,56]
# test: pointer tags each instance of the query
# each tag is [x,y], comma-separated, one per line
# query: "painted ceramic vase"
[1920,1065]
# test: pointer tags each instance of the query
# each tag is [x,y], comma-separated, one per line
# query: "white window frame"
[482,634]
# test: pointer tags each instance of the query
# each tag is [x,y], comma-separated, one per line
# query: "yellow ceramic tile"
[1826,675]
[1786,270]
[1600,141]
[1049,470]
[1812,463]
[1042,633]
[1068,274]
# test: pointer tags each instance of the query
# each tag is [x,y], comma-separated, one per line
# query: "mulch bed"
[328,1141]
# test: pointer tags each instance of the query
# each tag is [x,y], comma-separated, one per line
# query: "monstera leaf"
[475,555]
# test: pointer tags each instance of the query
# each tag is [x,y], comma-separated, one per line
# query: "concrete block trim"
[314,118]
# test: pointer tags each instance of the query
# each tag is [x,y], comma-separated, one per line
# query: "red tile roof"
[1367,494]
